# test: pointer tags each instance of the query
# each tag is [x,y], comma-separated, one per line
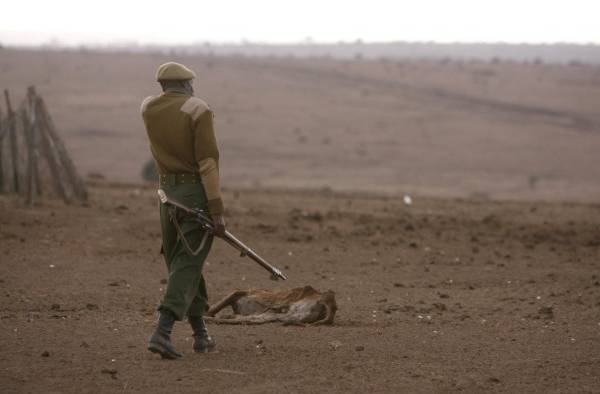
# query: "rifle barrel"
[246,251]
[227,237]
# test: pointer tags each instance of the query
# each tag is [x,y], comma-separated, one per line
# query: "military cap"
[174,71]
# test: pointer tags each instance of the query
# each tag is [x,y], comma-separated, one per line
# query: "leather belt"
[178,179]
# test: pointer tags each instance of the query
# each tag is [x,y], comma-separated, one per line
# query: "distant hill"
[500,130]
[546,53]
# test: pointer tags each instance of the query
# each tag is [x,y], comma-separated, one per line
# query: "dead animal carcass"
[298,306]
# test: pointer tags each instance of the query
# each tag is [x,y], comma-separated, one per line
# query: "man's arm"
[207,154]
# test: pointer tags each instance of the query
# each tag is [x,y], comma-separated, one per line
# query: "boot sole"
[164,353]
[212,347]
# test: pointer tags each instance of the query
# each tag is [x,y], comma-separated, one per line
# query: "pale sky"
[278,21]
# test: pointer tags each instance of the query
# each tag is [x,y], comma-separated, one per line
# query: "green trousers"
[186,289]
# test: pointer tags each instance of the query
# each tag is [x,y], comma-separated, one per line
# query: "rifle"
[206,223]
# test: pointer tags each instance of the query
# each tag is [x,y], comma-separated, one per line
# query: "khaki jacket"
[182,140]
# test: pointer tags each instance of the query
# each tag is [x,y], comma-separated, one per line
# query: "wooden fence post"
[29,177]
[35,138]
[2,134]
[76,182]
[12,123]
[48,149]
[41,142]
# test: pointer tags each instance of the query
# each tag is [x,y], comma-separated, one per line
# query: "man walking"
[183,143]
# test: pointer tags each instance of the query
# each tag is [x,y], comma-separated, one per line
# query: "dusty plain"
[487,282]
[502,130]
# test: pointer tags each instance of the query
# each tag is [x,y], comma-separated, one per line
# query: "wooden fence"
[33,158]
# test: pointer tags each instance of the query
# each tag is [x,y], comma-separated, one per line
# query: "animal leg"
[250,319]
[225,302]
[219,320]
[291,319]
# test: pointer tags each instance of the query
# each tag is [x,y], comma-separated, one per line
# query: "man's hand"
[219,225]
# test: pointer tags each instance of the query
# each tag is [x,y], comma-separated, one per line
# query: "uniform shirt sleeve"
[207,155]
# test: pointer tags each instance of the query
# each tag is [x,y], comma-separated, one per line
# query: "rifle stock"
[206,223]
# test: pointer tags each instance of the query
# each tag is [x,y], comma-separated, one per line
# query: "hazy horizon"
[56,42]
[559,53]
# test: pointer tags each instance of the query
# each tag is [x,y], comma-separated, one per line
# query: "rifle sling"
[174,218]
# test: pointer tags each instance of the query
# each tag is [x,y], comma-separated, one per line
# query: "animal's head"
[328,297]
[328,301]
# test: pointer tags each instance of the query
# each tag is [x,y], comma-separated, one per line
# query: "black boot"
[203,343]
[160,341]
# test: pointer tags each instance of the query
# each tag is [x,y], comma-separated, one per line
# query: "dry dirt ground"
[442,295]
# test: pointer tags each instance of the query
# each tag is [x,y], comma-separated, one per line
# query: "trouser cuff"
[198,310]
[167,309]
